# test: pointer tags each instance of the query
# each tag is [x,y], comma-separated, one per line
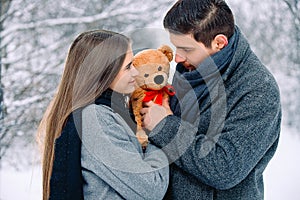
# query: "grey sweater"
[221,151]
[113,165]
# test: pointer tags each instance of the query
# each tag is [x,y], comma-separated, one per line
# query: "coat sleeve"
[251,129]
[115,157]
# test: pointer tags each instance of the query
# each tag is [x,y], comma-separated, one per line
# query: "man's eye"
[146,75]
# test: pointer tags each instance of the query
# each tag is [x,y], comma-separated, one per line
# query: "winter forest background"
[35,36]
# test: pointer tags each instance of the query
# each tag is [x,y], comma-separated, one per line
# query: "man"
[226,117]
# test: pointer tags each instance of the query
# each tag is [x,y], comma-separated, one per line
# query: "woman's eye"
[159,68]
[128,66]
[146,75]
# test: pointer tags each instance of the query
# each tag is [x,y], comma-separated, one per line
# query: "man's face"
[189,52]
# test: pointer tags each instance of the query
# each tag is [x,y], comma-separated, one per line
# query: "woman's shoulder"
[102,112]
[104,116]
[98,108]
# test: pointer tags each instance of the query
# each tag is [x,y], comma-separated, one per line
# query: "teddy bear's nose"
[159,79]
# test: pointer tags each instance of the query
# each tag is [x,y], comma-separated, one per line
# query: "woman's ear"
[219,42]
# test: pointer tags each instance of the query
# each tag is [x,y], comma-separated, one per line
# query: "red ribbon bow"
[157,95]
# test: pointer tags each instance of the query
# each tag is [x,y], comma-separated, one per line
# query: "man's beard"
[188,66]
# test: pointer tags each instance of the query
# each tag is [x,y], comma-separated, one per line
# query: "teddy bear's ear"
[165,49]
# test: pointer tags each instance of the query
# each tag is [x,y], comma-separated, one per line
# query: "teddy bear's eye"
[159,68]
[146,75]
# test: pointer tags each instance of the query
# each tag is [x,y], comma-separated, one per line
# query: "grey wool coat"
[113,163]
[221,136]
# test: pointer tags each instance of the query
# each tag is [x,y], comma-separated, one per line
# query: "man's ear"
[219,42]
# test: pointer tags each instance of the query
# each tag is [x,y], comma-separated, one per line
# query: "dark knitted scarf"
[118,102]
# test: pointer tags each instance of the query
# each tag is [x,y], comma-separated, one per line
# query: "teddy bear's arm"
[137,104]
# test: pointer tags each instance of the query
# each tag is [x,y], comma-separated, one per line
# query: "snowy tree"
[36,36]
[4,5]
[293,8]
[292,54]
[273,29]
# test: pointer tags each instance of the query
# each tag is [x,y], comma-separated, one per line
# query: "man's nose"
[179,58]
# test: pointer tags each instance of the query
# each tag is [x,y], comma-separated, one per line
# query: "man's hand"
[153,113]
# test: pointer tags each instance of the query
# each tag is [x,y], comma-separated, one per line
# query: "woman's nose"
[135,72]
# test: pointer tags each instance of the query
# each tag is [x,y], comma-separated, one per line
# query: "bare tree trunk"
[294,8]
[4,5]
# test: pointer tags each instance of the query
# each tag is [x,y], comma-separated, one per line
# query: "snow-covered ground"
[24,184]
[282,176]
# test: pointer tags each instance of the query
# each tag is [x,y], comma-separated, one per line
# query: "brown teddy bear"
[153,66]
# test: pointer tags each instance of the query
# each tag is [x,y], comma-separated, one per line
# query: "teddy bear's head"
[153,66]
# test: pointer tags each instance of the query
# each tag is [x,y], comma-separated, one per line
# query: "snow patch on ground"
[282,176]
[24,184]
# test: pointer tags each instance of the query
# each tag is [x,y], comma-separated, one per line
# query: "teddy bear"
[153,66]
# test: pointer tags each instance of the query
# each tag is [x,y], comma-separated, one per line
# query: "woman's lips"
[132,82]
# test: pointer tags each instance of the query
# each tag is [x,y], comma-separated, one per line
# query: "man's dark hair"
[204,19]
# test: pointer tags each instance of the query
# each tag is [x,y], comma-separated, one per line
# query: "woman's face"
[125,79]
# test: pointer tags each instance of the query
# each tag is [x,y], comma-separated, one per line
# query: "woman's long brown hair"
[93,61]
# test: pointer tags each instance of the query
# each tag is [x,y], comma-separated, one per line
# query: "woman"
[108,163]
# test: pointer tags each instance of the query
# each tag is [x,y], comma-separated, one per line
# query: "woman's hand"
[153,113]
